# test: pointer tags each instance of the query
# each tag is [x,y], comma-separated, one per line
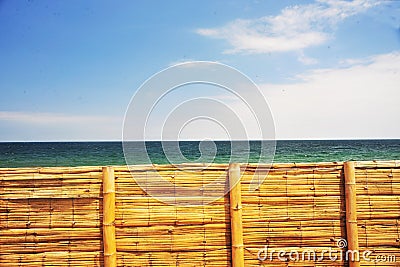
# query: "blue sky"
[328,69]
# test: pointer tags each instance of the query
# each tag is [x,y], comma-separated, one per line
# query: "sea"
[42,154]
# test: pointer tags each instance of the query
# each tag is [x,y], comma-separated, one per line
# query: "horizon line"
[194,140]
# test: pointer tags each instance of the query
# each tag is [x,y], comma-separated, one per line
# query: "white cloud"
[354,101]
[15,126]
[357,99]
[295,28]
[306,60]
[49,118]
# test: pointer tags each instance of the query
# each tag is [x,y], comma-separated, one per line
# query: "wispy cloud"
[50,118]
[295,28]
[306,60]
[55,126]
[356,100]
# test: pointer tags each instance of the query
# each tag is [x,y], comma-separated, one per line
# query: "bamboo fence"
[99,216]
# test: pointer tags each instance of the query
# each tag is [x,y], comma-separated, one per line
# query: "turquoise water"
[29,154]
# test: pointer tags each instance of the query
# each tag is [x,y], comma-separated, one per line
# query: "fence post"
[109,244]
[236,215]
[351,213]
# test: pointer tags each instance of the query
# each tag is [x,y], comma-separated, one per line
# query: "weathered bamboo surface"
[298,206]
[351,212]
[54,216]
[236,215]
[109,243]
[378,209]
[151,233]
[51,216]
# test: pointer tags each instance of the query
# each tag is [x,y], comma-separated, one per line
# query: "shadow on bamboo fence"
[98,216]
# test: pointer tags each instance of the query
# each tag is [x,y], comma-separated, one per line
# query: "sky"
[328,69]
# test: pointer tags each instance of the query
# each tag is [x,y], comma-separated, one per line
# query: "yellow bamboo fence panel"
[56,216]
[51,217]
[378,211]
[298,208]
[151,233]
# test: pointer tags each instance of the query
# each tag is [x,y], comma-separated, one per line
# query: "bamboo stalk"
[110,249]
[351,211]
[236,216]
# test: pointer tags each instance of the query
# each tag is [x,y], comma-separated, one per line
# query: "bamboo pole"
[351,212]
[110,249]
[236,215]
